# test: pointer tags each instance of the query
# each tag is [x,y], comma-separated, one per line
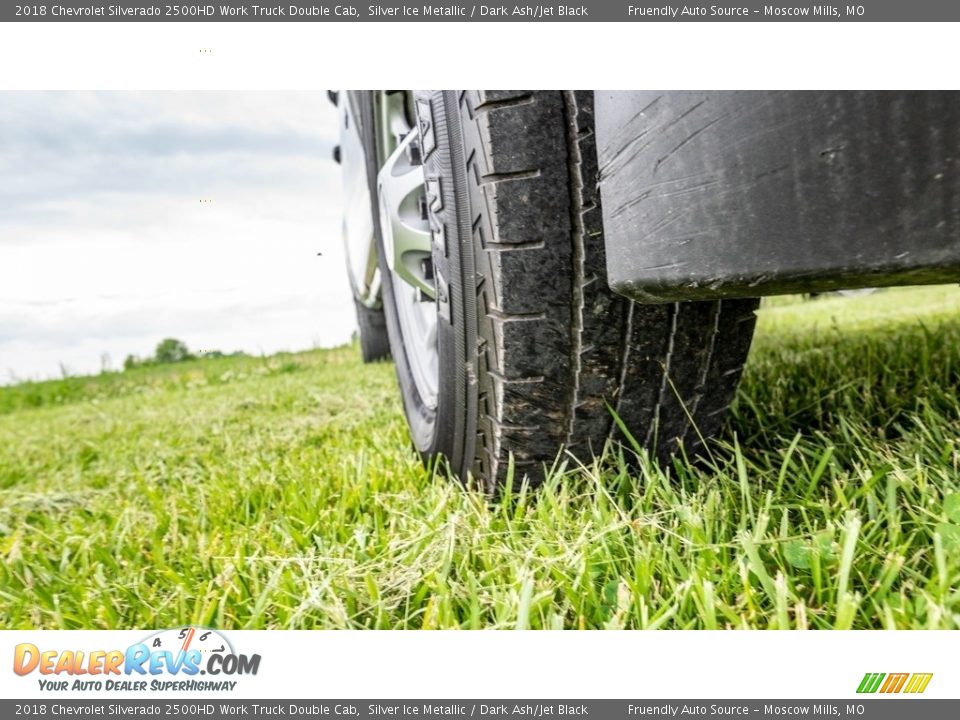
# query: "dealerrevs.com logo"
[168,660]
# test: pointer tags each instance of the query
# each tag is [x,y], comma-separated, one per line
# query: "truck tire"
[536,354]
[372,326]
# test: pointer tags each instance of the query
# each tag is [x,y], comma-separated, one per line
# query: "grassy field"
[282,492]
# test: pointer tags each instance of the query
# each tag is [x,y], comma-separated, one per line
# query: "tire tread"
[559,349]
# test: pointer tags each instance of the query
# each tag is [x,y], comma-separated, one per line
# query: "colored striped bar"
[918,682]
[894,682]
[870,682]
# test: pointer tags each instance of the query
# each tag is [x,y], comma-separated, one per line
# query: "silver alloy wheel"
[407,240]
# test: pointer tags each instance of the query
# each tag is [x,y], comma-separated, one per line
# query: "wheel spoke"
[406,233]
[407,244]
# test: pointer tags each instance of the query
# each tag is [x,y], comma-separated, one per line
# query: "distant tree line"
[169,351]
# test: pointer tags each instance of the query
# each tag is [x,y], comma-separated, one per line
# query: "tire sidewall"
[447,431]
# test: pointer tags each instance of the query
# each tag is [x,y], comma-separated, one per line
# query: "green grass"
[282,492]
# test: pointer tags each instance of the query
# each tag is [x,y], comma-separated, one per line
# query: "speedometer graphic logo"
[184,639]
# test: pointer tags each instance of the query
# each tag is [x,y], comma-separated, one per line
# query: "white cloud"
[106,247]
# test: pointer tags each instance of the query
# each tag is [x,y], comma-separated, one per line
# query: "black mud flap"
[734,194]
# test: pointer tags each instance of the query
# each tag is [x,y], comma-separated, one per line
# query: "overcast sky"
[106,248]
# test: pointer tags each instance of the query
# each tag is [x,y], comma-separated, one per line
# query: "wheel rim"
[406,236]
